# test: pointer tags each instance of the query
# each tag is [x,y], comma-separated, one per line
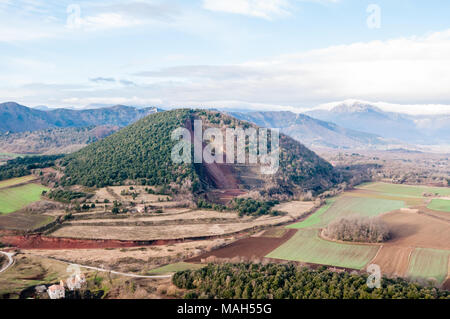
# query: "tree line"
[287,281]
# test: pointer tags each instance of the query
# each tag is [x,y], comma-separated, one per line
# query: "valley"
[121,205]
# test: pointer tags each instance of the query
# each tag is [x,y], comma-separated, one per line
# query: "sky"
[242,54]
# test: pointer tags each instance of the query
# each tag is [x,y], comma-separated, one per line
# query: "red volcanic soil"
[222,175]
[43,242]
[251,247]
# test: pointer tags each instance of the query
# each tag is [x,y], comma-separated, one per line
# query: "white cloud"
[258,8]
[406,71]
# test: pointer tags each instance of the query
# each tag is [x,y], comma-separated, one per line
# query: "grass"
[15,198]
[346,206]
[175,267]
[315,218]
[429,263]
[306,246]
[16,181]
[405,190]
[441,205]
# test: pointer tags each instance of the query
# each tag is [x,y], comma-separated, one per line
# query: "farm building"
[75,282]
[57,291]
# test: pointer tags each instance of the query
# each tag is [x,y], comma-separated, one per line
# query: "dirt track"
[248,248]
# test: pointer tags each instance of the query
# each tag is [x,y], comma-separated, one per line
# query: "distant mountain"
[18,118]
[425,129]
[142,151]
[53,141]
[313,132]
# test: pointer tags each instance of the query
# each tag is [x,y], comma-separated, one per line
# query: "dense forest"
[23,166]
[141,152]
[275,281]
[252,207]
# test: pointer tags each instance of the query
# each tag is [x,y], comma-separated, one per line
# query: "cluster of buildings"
[59,291]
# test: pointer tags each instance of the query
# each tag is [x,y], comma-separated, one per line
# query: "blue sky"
[261,54]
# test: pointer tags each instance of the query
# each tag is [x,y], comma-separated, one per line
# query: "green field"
[314,219]
[15,198]
[16,181]
[441,205]
[175,267]
[404,190]
[429,263]
[307,246]
[349,206]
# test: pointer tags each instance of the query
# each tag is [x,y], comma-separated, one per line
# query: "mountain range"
[18,118]
[313,132]
[414,129]
[346,125]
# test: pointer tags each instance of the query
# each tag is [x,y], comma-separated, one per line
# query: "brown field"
[393,260]
[410,201]
[23,221]
[124,259]
[190,215]
[295,208]
[186,224]
[164,232]
[248,248]
[417,230]
[277,232]
[114,193]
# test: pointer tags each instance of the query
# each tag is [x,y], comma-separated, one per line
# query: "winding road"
[10,258]
[107,270]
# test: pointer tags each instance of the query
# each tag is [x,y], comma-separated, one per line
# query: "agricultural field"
[393,260]
[169,223]
[314,219]
[405,190]
[442,205]
[15,198]
[16,181]
[429,263]
[306,246]
[349,206]
[420,234]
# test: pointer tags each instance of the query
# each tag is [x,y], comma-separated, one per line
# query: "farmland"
[349,206]
[16,181]
[442,205]
[429,263]
[405,190]
[306,246]
[15,198]
[420,234]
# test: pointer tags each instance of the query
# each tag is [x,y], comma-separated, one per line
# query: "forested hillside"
[142,152]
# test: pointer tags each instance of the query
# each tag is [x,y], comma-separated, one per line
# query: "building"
[75,282]
[57,291]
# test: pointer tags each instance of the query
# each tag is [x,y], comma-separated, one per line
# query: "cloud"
[102,79]
[266,9]
[404,71]
[257,8]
